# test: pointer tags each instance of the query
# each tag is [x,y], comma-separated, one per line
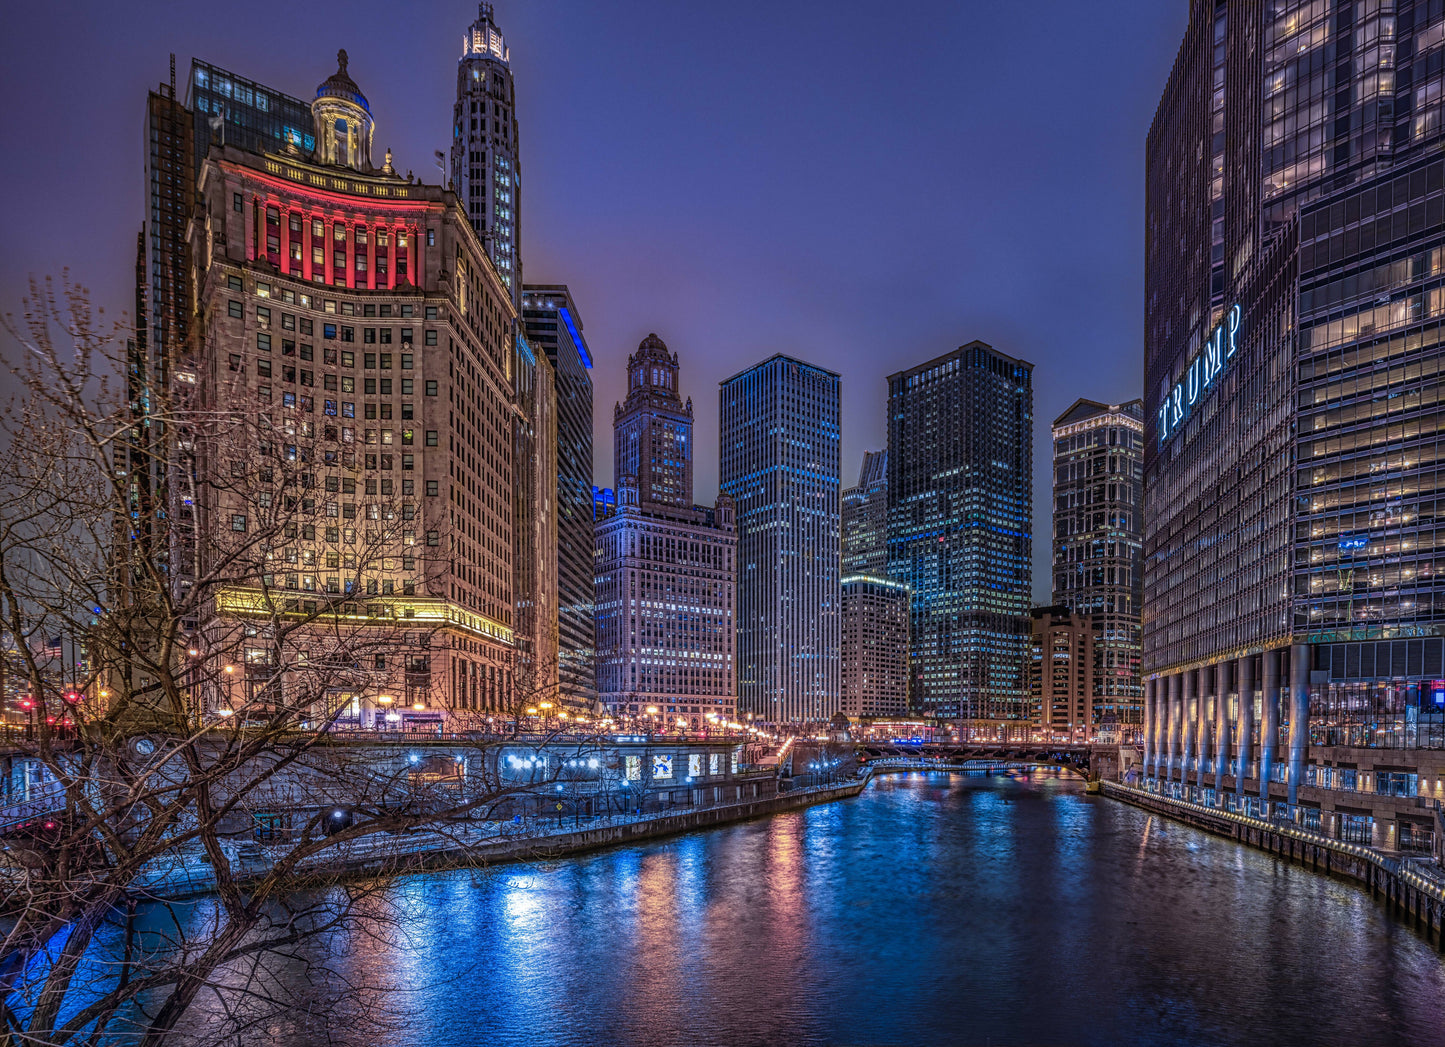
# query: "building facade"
[960,505]
[665,568]
[1295,218]
[358,345]
[781,463]
[1097,551]
[219,107]
[865,519]
[535,528]
[1062,667]
[486,168]
[653,428]
[553,326]
[874,647]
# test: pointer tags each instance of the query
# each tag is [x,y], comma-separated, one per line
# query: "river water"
[933,909]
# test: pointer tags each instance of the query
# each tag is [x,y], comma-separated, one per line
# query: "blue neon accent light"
[576,337]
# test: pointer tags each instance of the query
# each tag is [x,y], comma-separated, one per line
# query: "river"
[933,909]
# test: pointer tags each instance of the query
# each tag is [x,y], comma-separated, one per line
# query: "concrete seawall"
[1410,892]
[519,848]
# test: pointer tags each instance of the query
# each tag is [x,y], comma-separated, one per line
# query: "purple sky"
[864,186]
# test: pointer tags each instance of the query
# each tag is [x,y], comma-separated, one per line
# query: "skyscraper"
[486,166]
[865,519]
[1098,516]
[653,428]
[874,646]
[781,462]
[1062,664]
[534,531]
[553,327]
[349,312]
[220,108]
[1295,241]
[666,568]
[960,504]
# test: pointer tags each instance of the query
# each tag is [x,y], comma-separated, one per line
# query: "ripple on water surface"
[933,909]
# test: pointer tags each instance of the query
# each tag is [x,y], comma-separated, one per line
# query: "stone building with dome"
[350,317]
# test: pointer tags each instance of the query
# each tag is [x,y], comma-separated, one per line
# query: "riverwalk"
[1413,887]
[474,844]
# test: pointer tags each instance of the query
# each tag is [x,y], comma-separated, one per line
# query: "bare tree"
[221,613]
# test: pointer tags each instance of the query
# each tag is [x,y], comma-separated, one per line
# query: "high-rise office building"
[960,505]
[347,312]
[1295,252]
[1098,519]
[666,569]
[220,107]
[486,166]
[1062,667]
[781,462]
[874,647]
[865,519]
[652,428]
[553,327]
[534,532]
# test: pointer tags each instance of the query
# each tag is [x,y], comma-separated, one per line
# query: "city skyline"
[332,675]
[616,230]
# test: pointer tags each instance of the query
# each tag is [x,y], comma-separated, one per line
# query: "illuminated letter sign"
[1199,375]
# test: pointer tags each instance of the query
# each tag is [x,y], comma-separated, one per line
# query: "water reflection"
[932,910]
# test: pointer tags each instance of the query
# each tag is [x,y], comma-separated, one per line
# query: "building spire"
[484,39]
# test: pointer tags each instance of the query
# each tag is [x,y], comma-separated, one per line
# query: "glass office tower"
[960,508]
[865,519]
[782,462]
[553,327]
[1294,229]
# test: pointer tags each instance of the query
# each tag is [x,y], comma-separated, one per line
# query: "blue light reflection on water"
[931,910]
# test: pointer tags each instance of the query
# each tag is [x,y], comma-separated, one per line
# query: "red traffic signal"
[27,703]
[72,697]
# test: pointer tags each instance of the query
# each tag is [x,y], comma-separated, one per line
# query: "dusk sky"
[864,186]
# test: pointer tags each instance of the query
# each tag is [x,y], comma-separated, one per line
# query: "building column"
[1203,721]
[1161,719]
[1269,732]
[283,236]
[1223,678]
[1176,686]
[1148,725]
[1189,723]
[1244,746]
[1299,718]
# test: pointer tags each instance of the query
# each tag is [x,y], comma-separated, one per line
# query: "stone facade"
[355,343]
